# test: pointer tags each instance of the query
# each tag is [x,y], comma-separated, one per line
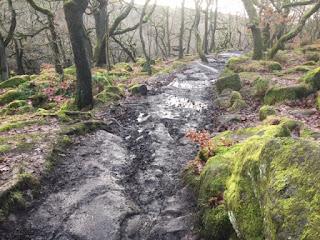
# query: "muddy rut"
[127,183]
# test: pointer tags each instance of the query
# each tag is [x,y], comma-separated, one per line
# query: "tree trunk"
[206,28]
[197,33]
[4,73]
[181,31]
[147,64]
[54,37]
[214,28]
[74,10]
[108,55]
[168,32]
[100,17]
[19,55]
[126,50]
[255,30]
[280,44]
[190,36]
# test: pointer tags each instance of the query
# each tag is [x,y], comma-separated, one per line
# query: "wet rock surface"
[127,183]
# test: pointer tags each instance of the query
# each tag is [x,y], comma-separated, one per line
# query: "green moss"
[65,141]
[310,63]
[140,61]
[14,81]
[70,71]
[298,69]
[28,181]
[312,78]
[226,72]
[278,94]
[234,97]
[107,97]
[238,105]
[260,86]
[234,63]
[10,96]
[274,66]
[138,89]
[266,111]
[115,90]
[9,126]
[178,64]
[4,148]
[251,76]
[232,82]
[69,105]
[17,200]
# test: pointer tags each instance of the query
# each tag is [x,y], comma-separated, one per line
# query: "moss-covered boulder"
[233,82]
[274,66]
[138,89]
[234,63]
[115,90]
[10,96]
[266,111]
[238,105]
[108,96]
[278,94]
[310,63]
[274,190]
[38,99]
[234,97]
[20,106]
[312,78]
[14,81]
[298,69]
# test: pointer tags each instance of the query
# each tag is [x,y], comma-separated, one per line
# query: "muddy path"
[127,183]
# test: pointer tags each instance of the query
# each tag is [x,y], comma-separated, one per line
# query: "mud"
[127,183]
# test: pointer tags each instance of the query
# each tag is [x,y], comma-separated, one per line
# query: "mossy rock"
[238,105]
[266,111]
[140,61]
[12,107]
[251,76]
[138,89]
[310,63]
[10,96]
[298,69]
[11,125]
[14,81]
[115,90]
[123,66]
[108,96]
[274,66]
[277,94]
[234,63]
[215,223]
[273,192]
[69,105]
[232,82]
[17,103]
[312,78]
[226,72]
[234,97]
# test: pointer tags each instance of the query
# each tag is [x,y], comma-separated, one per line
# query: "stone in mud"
[228,118]
[139,89]
[266,111]
[232,82]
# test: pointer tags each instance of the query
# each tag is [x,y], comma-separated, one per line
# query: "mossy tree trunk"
[74,10]
[190,36]
[19,55]
[147,64]
[206,27]
[181,31]
[54,36]
[100,17]
[280,44]
[255,30]
[197,32]
[214,27]
[4,42]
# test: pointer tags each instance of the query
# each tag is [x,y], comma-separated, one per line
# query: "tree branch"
[12,25]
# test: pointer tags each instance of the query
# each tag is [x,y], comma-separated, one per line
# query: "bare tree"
[181,31]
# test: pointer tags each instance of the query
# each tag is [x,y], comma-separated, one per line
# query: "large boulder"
[278,94]
[274,190]
[233,82]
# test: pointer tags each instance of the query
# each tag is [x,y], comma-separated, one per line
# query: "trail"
[127,183]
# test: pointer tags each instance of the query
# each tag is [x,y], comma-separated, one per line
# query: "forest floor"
[130,173]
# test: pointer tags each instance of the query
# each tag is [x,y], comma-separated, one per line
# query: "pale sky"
[225,6]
